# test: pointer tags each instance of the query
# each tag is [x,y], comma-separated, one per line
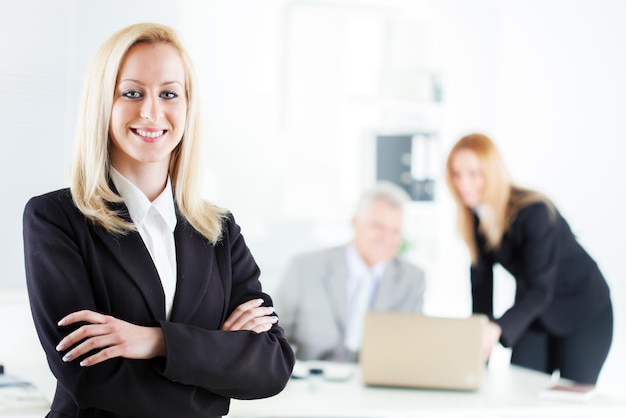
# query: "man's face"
[378,232]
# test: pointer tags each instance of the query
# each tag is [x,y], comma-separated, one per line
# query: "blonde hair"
[502,199]
[89,174]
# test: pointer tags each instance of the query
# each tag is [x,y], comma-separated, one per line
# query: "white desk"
[506,392]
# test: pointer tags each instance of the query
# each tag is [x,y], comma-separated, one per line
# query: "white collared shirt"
[155,223]
[358,268]
[358,271]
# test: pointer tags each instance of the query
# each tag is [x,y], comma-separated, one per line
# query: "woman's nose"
[150,109]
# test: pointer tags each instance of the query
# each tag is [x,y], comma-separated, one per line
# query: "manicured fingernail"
[83,363]
[271,308]
[60,347]
[67,357]
[61,322]
[275,318]
[260,301]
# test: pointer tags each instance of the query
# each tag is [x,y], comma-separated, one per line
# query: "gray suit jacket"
[312,300]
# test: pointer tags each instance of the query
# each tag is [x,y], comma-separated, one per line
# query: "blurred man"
[324,295]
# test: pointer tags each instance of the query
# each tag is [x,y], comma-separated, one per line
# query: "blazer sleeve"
[288,298]
[59,281]
[537,253]
[481,276]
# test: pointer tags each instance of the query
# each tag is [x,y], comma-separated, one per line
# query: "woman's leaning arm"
[536,261]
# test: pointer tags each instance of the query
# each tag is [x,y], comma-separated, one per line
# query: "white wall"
[560,100]
[544,78]
[45,49]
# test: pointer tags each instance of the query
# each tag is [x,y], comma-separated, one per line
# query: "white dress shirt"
[362,284]
[155,223]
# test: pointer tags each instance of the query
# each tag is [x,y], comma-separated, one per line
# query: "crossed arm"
[111,337]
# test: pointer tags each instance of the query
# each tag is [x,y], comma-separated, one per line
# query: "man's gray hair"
[385,191]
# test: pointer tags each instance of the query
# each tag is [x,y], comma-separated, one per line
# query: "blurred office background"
[308,101]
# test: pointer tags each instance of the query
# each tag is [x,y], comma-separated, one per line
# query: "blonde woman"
[562,315]
[145,297]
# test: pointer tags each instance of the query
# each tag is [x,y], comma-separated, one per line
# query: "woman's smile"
[149,134]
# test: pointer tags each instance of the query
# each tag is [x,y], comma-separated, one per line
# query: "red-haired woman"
[562,317]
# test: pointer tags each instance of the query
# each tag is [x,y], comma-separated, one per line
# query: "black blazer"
[71,264]
[558,283]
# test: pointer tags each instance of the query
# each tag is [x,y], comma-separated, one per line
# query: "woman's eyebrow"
[132,80]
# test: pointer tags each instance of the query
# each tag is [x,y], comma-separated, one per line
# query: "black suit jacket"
[557,283]
[71,264]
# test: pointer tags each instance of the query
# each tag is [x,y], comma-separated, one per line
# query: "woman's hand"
[110,337]
[490,339]
[251,316]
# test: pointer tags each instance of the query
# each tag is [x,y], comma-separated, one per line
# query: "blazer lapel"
[387,288]
[134,257]
[336,286]
[194,265]
[195,262]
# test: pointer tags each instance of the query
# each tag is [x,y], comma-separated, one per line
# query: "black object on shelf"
[408,160]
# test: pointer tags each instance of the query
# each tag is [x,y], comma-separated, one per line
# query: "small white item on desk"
[328,370]
[20,395]
[9,380]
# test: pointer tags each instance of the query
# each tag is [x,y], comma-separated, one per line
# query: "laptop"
[417,351]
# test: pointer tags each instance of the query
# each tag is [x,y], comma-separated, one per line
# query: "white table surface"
[509,392]
[506,392]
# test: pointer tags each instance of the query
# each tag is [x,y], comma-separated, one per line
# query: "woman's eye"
[132,94]
[169,95]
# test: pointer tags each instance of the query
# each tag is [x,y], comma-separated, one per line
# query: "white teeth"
[150,135]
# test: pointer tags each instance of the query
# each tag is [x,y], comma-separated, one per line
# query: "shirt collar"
[139,205]
[357,266]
